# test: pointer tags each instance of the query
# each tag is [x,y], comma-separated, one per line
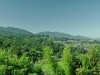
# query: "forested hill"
[58,34]
[11,31]
[16,32]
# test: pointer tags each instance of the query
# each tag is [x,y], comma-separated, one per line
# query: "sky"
[76,17]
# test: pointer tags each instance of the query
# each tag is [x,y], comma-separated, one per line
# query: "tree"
[67,61]
[94,59]
[90,62]
[83,69]
[51,66]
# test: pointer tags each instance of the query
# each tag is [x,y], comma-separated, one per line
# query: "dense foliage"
[28,54]
[39,55]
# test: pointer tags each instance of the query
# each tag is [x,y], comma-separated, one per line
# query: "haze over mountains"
[6,31]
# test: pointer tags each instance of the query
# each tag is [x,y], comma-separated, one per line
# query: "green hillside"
[12,32]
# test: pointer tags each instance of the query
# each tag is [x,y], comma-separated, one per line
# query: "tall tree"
[67,60]
[51,66]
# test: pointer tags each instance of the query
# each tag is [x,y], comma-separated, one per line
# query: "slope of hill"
[64,35]
[11,31]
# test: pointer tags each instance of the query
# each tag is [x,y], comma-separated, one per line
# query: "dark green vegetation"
[29,54]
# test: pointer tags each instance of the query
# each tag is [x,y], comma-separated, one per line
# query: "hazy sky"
[76,17]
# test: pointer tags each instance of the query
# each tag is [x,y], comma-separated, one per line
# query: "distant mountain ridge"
[14,30]
[64,35]
[11,31]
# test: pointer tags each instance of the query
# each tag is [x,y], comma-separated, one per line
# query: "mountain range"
[11,31]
